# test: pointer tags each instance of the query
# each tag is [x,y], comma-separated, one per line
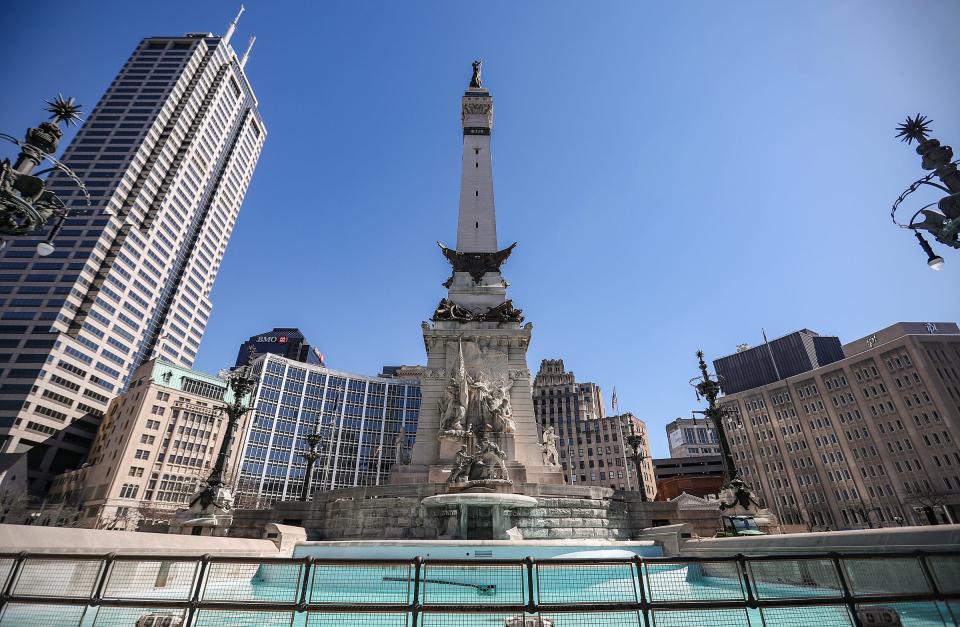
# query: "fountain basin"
[477,515]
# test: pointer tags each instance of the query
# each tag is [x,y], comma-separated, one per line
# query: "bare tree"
[929,501]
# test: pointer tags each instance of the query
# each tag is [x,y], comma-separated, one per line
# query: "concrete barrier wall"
[886,540]
[17,538]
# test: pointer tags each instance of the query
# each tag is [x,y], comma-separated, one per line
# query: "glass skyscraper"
[361,419]
[167,155]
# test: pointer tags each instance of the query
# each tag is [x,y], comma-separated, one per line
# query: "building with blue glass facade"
[362,420]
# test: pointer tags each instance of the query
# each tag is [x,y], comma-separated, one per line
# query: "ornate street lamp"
[709,388]
[216,494]
[314,439]
[25,205]
[943,222]
[637,455]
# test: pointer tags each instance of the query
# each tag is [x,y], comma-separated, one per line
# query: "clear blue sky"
[678,175]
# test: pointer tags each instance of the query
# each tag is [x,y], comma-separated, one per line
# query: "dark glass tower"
[287,342]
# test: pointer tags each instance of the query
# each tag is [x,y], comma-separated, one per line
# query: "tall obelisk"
[476,429]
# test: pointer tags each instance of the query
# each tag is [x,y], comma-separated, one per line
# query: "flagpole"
[770,350]
[623,445]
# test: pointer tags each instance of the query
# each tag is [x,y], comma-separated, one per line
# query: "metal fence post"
[415,606]
[644,604]
[305,584]
[747,583]
[531,602]
[195,597]
[102,579]
[925,567]
[845,587]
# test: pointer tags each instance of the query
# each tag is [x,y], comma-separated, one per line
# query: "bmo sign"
[272,339]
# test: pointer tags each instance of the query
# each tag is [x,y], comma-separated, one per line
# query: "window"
[129,491]
[135,471]
[157,410]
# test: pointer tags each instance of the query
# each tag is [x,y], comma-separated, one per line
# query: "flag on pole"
[613,400]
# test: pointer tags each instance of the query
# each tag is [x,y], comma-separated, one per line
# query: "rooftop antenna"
[246,55]
[233,25]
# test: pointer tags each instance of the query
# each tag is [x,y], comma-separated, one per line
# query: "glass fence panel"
[149,579]
[253,582]
[702,618]
[361,584]
[785,579]
[821,616]
[41,577]
[559,583]
[37,615]
[470,584]
[138,617]
[946,572]
[699,581]
[885,576]
[244,618]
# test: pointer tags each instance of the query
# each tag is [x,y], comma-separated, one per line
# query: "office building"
[167,155]
[157,444]
[363,421]
[590,444]
[775,360]
[287,342]
[692,437]
[697,475]
[867,440]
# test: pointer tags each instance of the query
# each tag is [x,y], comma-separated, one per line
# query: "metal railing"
[921,588]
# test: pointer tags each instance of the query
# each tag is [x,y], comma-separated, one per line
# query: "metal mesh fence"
[381,584]
[946,572]
[136,579]
[585,584]
[253,582]
[245,618]
[697,581]
[42,577]
[371,619]
[909,614]
[35,615]
[472,584]
[590,619]
[135,616]
[699,618]
[779,579]
[885,576]
[822,616]
[919,590]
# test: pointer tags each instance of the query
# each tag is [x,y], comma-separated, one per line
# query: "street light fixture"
[25,205]
[941,218]
[314,440]
[241,382]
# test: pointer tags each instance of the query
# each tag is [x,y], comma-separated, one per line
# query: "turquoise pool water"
[477,585]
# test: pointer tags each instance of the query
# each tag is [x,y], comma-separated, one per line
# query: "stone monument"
[479,468]
[477,430]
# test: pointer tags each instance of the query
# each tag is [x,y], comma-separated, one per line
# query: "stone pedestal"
[496,352]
